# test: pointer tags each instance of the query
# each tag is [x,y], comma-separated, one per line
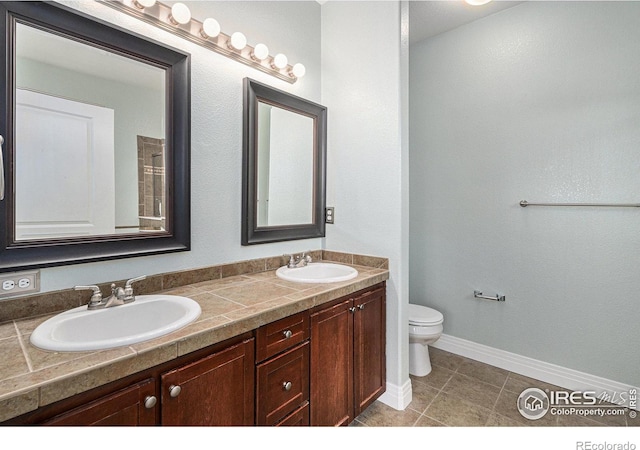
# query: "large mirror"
[96,131]
[284,166]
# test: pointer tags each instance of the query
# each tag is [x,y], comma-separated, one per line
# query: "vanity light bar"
[177,20]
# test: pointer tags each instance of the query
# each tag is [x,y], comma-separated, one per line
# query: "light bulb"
[180,14]
[279,61]
[260,52]
[210,28]
[477,2]
[298,70]
[237,41]
[142,4]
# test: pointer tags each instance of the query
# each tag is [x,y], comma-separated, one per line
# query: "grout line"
[23,348]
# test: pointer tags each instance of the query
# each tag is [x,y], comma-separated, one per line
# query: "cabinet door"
[122,408]
[332,365]
[216,390]
[369,348]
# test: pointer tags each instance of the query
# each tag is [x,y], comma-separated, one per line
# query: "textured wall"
[540,102]
[361,89]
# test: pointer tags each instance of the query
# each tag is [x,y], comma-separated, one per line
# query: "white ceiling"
[428,18]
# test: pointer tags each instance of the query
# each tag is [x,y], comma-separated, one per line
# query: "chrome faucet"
[119,296]
[296,261]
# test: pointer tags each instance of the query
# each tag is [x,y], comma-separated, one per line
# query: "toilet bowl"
[425,327]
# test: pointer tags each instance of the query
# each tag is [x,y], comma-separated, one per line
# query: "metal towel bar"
[497,298]
[525,203]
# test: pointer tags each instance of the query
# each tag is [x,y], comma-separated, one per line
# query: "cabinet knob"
[287,334]
[352,309]
[287,385]
[174,390]
[150,401]
[361,306]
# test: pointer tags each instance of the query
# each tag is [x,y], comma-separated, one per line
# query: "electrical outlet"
[328,214]
[19,283]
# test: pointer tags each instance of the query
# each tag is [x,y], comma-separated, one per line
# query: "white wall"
[361,88]
[216,131]
[540,102]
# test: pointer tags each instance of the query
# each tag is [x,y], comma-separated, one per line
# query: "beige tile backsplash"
[50,302]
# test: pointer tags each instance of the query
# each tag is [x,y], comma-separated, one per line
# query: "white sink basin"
[317,273]
[148,317]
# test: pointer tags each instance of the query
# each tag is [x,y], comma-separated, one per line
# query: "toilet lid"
[423,315]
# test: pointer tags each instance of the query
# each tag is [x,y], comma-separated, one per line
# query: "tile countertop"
[30,377]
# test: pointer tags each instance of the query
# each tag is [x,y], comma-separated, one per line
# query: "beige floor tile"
[483,372]
[425,421]
[497,420]
[423,395]
[454,411]
[518,383]
[437,378]
[381,415]
[472,390]
[578,421]
[445,359]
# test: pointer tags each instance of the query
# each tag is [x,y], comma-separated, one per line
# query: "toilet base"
[419,361]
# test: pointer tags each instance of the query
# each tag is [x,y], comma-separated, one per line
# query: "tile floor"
[461,392]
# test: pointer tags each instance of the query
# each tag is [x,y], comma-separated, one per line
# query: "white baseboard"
[533,368]
[397,397]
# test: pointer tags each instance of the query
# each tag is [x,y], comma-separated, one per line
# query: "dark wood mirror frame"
[19,255]
[255,92]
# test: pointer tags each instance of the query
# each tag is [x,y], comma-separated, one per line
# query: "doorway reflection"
[151,179]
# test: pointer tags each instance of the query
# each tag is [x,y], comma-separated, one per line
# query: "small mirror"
[284,166]
[96,140]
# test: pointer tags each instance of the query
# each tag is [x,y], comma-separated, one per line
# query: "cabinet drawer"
[278,336]
[298,418]
[282,385]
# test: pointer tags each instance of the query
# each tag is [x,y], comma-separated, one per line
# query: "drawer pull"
[287,385]
[287,334]
[150,401]
[174,390]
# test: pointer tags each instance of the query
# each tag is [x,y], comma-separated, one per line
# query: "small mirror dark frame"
[55,18]
[255,92]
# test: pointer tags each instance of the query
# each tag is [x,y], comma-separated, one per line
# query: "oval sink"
[148,317]
[317,273]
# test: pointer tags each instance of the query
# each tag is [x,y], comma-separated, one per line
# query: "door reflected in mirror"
[285,167]
[82,113]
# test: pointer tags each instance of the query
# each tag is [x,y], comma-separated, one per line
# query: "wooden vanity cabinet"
[348,368]
[282,372]
[131,406]
[323,366]
[211,386]
[215,390]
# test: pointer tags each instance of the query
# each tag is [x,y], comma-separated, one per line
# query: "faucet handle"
[306,256]
[128,289]
[133,280]
[96,297]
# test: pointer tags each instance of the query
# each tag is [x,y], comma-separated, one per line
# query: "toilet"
[425,327]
